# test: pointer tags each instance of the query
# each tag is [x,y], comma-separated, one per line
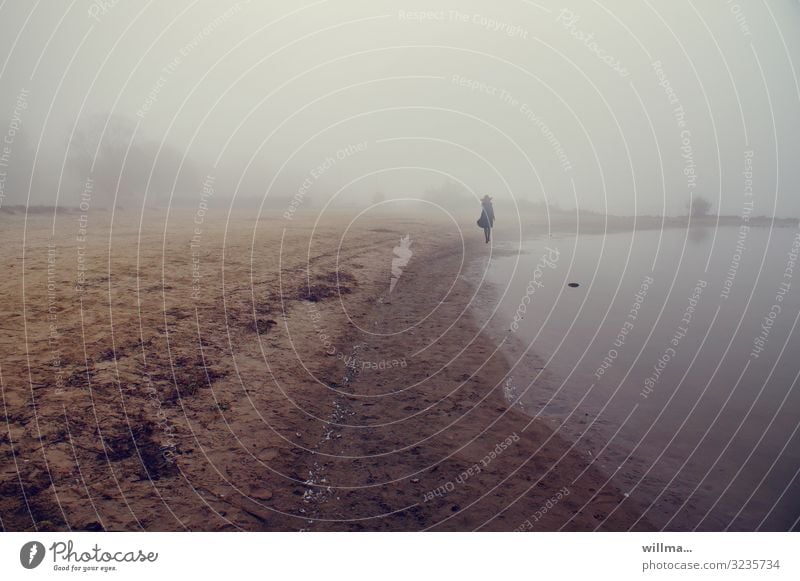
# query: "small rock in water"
[573,285]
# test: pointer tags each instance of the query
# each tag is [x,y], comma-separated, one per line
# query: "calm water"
[673,365]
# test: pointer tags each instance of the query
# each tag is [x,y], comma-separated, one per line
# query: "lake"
[673,364]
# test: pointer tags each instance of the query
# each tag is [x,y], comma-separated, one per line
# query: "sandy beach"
[251,373]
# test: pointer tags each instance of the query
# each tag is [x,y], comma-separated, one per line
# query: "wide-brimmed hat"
[486,198]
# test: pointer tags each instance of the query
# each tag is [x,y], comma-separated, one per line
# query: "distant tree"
[524,204]
[378,197]
[699,207]
[123,166]
[171,176]
[97,150]
[449,195]
[17,166]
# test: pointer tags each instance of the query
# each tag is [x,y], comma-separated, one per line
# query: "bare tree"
[97,150]
[124,167]
[699,207]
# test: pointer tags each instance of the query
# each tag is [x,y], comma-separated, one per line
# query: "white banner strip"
[379,556]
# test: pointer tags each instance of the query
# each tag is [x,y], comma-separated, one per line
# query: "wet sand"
[257,374]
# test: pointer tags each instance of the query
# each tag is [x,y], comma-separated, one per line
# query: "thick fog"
[620,107]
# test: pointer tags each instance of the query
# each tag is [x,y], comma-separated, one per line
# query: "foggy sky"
[624,107]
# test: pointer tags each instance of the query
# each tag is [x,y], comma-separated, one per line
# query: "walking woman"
[487,217]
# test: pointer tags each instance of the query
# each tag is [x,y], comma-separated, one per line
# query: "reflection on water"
[674,364]
[698,234]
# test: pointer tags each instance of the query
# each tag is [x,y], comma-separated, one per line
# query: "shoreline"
[466,481]
[643,442]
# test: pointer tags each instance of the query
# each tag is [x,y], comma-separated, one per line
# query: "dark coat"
[487,215]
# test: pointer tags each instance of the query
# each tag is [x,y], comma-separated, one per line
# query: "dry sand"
[286,389]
